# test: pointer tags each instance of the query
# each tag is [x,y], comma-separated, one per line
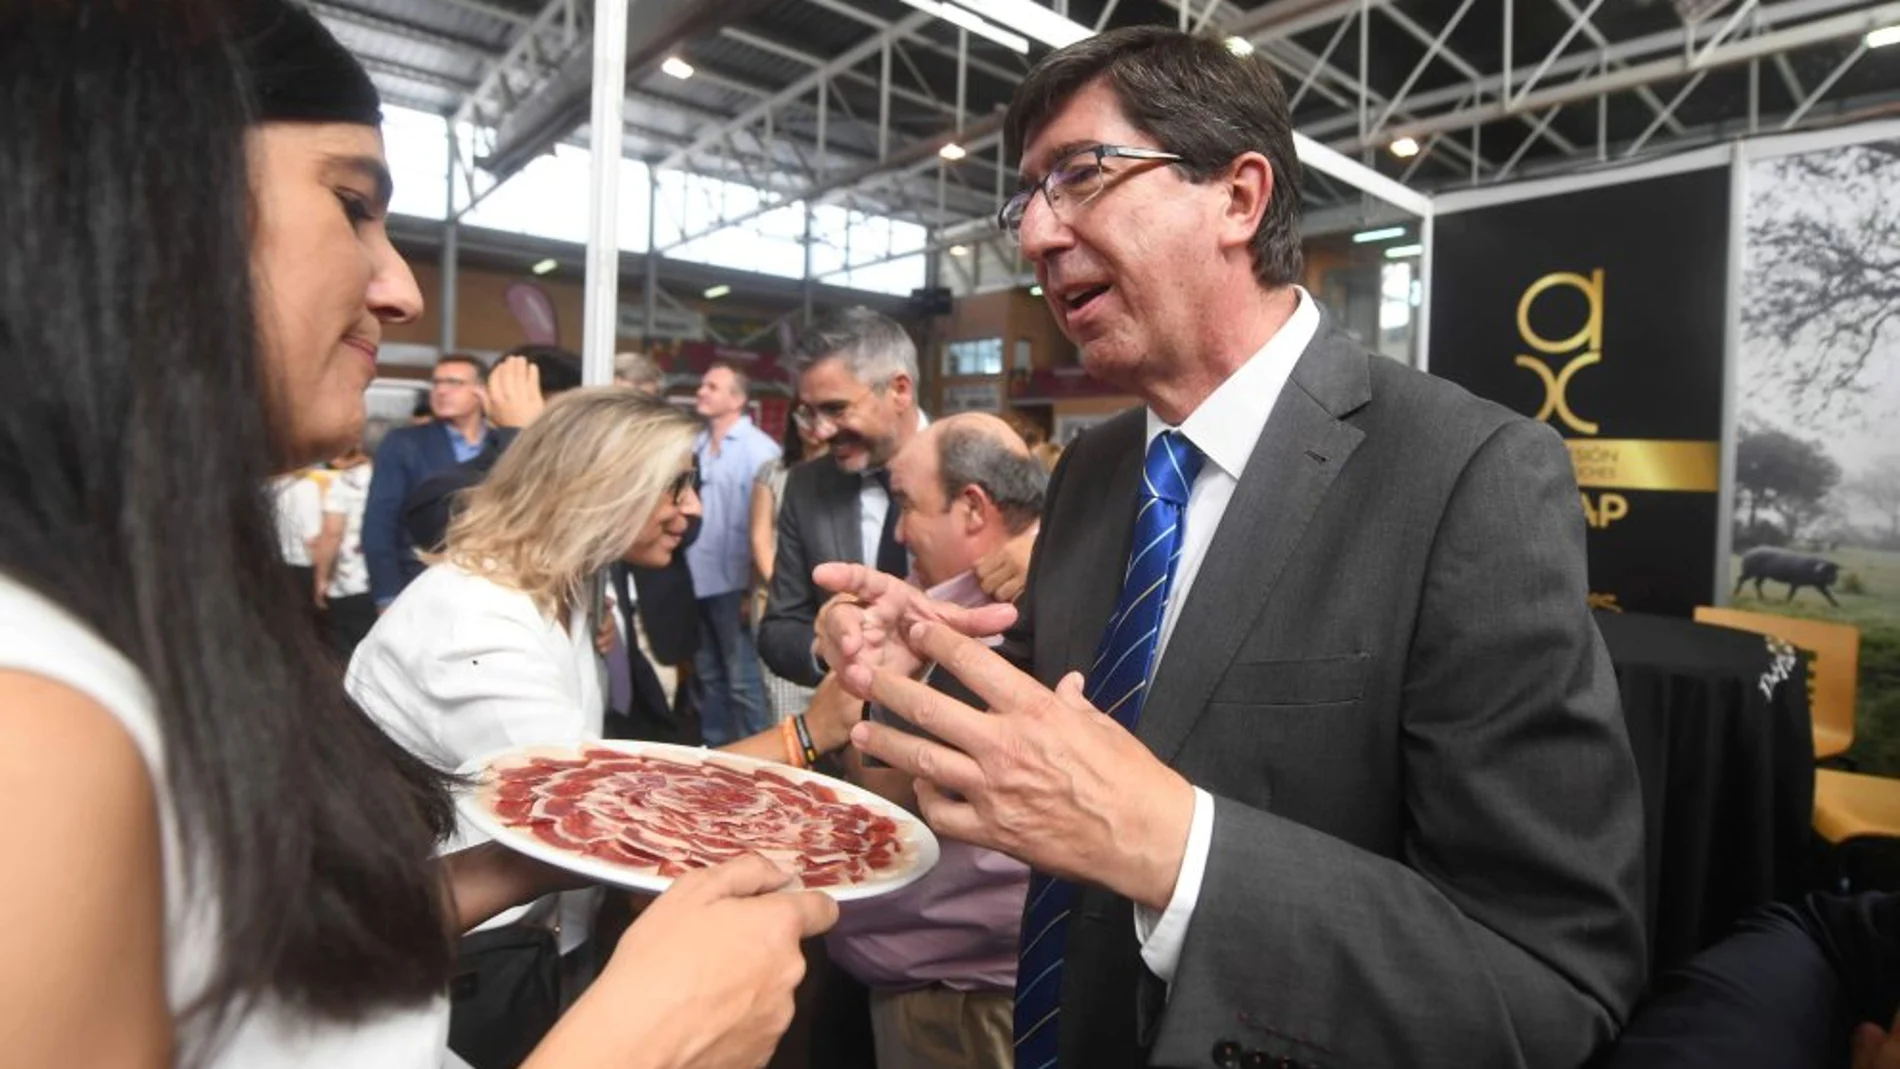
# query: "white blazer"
[460,666]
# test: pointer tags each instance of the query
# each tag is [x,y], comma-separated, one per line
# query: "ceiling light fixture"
[677,67]
[1404,147]
[952,152]
[959,250]
[1028,17]
[1404,252]
[713,293]
[957,16]
[1035,291]
[1239,46]
[1382,234]
[545,266]
[1882,38]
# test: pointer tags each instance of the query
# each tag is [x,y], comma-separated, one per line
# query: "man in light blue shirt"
[726,668]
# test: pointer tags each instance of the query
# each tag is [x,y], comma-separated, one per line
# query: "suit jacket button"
[1227,1054]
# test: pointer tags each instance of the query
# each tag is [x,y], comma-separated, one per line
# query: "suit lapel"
[846,532]
[435,444]
[1094,545]
[1300,452]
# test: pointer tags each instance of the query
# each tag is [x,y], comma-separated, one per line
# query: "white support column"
[963,75]
[1365,46]
[446,311]
[603,195]
[1731,363]
[1422,323]
[1510,18]
[653,256]
[809,283]
[884,102]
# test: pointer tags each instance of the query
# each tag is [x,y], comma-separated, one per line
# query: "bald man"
[940,956]
[964,487]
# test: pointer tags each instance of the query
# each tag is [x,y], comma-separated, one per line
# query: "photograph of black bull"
[1786,566]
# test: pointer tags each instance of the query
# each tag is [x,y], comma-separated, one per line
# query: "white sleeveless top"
[39,637]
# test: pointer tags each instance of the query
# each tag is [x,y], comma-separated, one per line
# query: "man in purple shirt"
[726,667]
[940,955]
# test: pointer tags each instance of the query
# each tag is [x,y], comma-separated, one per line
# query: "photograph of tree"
[1817,482]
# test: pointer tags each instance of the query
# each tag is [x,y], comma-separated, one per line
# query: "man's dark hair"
[1196,99]
[873,347]
[560,368]
[740,380]
[967,456]
[481,369]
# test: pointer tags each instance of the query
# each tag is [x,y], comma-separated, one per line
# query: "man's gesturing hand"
[1043,776]
[863,625]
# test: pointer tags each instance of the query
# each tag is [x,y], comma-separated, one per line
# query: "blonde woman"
[493,646]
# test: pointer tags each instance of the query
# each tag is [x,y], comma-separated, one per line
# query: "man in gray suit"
[1318,756]
[857,392]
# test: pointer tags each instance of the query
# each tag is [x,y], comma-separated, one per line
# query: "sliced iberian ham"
[660,815]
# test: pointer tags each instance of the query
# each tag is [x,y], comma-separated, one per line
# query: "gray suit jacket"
[818,522]
[1427,829]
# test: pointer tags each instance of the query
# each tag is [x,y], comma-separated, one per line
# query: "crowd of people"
[1270,728]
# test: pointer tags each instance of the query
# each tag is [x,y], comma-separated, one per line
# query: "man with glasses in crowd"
[410,455]
[857,394]
[1317,755]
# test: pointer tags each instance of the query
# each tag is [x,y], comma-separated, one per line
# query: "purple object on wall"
[534,310]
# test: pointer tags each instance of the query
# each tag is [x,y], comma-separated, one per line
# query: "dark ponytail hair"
[133,452]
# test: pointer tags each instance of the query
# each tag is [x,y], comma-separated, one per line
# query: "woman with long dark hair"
[215,859]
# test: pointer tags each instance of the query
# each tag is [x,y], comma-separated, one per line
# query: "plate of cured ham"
[638,814]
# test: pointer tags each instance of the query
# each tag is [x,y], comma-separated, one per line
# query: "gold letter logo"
[1589,337]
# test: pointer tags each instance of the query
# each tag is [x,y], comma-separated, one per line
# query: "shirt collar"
[456,436]
[962,590]
[705,432]
[1227,426]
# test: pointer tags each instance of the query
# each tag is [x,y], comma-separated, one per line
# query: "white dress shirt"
[1225,428]
[873,505]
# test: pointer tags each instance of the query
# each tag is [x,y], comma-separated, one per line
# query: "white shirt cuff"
[1161,937]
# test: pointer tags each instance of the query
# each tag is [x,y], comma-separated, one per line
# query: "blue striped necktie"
[1116,685]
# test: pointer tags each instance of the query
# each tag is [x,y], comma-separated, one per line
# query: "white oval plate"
[920,845]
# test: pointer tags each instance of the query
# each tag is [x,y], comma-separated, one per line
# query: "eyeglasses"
[1075,180]
[684,481]
[811,417]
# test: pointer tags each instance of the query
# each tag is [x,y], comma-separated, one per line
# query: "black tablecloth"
[1719,723]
